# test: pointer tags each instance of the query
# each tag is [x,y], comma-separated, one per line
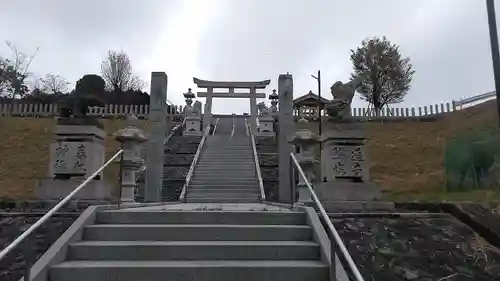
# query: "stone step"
[225,181]
[222,200]
[196,217]
[224,186]
[229,152]
[250,169]
[243,270]
[254,190]
[226,195]
[185,232]
[232,158]
[245,174]
[193,250]
[235,174]
[225,162]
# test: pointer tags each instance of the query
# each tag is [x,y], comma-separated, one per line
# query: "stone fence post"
[131,162]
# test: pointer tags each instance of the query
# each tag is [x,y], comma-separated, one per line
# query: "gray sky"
[447,41]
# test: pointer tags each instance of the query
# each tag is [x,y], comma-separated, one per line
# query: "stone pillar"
[75,154]
[157,113]
[286,129]
[253,110]
[131,162]
[344,164]
[304,142]
[207,115]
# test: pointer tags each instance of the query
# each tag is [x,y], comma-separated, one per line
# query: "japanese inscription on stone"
[347,161]
[69,158]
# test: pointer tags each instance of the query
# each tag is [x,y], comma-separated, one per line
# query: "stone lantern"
[273,110]
[193,121]
[304,142]
[131,162]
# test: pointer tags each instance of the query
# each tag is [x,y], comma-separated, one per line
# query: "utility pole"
[495,55]
[318,78]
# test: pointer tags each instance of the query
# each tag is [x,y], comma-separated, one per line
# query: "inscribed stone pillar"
[154,159]
[207,115]
[286,129]
[253,110]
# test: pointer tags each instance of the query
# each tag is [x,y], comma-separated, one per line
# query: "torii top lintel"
[226,84]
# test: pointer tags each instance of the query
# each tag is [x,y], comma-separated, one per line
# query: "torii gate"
[210,94]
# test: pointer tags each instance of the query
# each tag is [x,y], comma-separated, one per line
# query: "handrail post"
[131,162]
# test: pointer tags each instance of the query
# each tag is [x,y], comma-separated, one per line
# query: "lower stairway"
[225,172]
[159,245]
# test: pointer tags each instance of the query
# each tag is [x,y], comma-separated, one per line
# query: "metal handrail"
[337,245]
[215,126]
[234,125]
[52,211]
[182,197]
[256,160]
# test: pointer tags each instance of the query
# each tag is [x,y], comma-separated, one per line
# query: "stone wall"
[179,154]
[267,150]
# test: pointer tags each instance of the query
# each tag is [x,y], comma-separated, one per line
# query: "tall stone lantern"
[273,110]
[304,142]
[193,121]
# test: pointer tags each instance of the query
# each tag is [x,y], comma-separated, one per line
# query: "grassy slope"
[406,157]
[24,156]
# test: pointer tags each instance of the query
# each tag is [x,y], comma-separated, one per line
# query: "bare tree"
[116,70]
[15,71]
[54,84]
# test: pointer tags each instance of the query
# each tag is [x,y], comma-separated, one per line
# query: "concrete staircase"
[225,172]
[194,246]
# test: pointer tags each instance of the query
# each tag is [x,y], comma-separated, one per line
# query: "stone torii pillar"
[253,95]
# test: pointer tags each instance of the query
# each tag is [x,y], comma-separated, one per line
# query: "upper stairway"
[225,172]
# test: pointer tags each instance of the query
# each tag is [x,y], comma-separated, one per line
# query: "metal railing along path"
[215,126]
[189,175]
[256,160]
[25,235]
[337,246]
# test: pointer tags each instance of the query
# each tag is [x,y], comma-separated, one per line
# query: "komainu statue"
[340,106]
[263,109]
[197,108]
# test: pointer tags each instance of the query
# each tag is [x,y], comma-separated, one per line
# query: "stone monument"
[344,164]
[266,122]
[193,120]
[76,153]
[157,129]
[304,142]
[286,130]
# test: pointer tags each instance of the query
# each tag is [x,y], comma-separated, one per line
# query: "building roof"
[310,99]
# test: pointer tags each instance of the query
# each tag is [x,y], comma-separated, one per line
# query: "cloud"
[447,41]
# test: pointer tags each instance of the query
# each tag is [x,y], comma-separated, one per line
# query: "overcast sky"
[447,41]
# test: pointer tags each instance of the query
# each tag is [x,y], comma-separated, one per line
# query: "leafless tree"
[54,84]
[116,70]
[15,71]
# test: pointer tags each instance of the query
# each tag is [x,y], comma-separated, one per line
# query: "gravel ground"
[16,217]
